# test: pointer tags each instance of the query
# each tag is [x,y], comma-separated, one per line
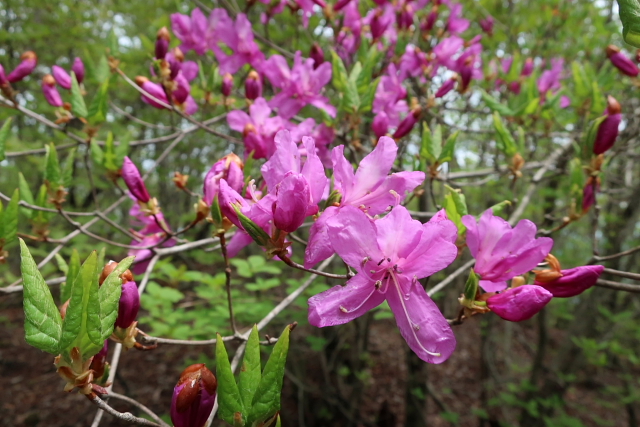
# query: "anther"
[344,310]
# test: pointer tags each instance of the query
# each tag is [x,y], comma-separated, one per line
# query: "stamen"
[344,310]
[378,284]
[381,261]
[365,260]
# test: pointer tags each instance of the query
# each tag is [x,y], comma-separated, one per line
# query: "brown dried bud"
[63,308]
[180,180]
[127,276]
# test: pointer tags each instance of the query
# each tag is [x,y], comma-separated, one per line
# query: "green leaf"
[499,208]
[25,195]
[10,219]
[42,323]
[110,153]
[102,70]
[229,397]
[97,155]
[81,326]
[471,287]
[366,102]
[99,105]
[67,169]
[340,76]
[113,46]
[350,97]
[78,107]
[455,205]
[355,72]
[122,149]
[109,295]
[253,230]
[62,264]
[598,100]
[630,18]
[4,135]
[250,374]
[364,79]
[52,174]
[72,273]
[431,147]
[216,213]
[449,148]
[504,139]
[267,397]
[580,79]
[496,105]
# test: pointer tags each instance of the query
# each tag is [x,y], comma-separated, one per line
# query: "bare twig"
[618,286]
[139,406]
[124,416]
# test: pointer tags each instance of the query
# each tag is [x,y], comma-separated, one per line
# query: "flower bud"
[487,25]
[466,72]
[154,90]
[175,58]
[127,276]
[589,194]
[61,76]
[99,361]
[608,129]
[340,4]
[78,69]
[380,124]
[378,24]
[134,182]
[3,77]
[128,306]
[28,63]
[228,168]
[317,54]
[182,90]
[621,61]
[253,86]
[527,68]
[228,199]
[515,87]
[227,84]
[573,281]
[408,123]
[404,19]
[162,43]
[193,397]
[446,87]
[180,180]
[50,91]
[521,303]
[292,201]
[428,23]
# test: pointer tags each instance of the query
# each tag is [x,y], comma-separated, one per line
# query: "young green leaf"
[72,272]
[630,18]
[42,321]
[350,97]
[366,102]
[340,76]
[431,143]
[25,194]
[67,168]
[4,135]
[78,107]
[455,206]
[109,296]
[496,105]
[250,373]
[81,326]
[100,104]
[110,153]
[97,155]
[122,149]
[504,139]
[102,70]
[229,397]
[498,208]
[10,219]
[449,148]
[266,401]
[52,174]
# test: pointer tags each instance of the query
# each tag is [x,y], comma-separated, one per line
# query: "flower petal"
[319,247]
[435,250]
[353,236]
[519,303]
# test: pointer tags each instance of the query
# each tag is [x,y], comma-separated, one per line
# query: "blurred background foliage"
[573,365]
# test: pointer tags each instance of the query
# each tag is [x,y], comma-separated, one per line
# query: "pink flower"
[573,281]
[390,255]
[350,35]
[414,63]
[389,97]
[61,76]
[589,194]
[608,129]
[502,252]
[28,63]
[162,43]
[239,38]
[527,68]
[192,31]
[380,124]
[50,91]
[293,200]
[456,24]
[299,86]
[550,79]
[134,182]
[370,189]
[257,128]
[521,303]
[621,61]
[446,87]
[182,89]
[193,397]
[446,50]
[317,54]
[407,124]
[487,25]
[227,84]
[227,168]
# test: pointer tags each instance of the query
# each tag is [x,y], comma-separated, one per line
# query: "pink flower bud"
[175,58]
[573,281]
[487,25]
[378,24]
[227,84]
[380,124]
[26,67]
[589,195]
[404,19]
[154,90]
[621,61]
[292,202]
[516,87]
[380,2]
[78,69]
[128,306]
[50,91]
[228,168]
[228,198]
[99,360]
[446,87]
[340,4]
[162,43]
[182,90]
[428,23]
[3,77]
[408,123]
[608,129]
[521,303]
[253,86]
[466,72]
[61,76]
[193,397]
[134,182]
[527,68]
[317,54]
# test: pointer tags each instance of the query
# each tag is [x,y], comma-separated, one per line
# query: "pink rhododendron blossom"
[389,97]
[573,281]
[520,303]
[456,24]
[446,87]
[192,31]
[153,89]
[227,168]
[350,35]
[370,189]
[292,202]
[487,24]
[299,86]
[182,89]
[550,79]
[257,127]
[445,51]
[190,70]
[502,252]
[414,63]
[390,255]
[238,37]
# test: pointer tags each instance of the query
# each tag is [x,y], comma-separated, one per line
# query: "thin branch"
[618,286]
[618,255]
[124,416]
[139,406]
[294,264]
[628,275]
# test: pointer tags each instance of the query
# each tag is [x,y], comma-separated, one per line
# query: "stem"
[124,416]
[227,273]
[293,264]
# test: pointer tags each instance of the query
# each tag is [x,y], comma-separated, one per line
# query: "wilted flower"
[193,397]
[520,303]
[50,91]
[28,63]
[390,255]
[502,252]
